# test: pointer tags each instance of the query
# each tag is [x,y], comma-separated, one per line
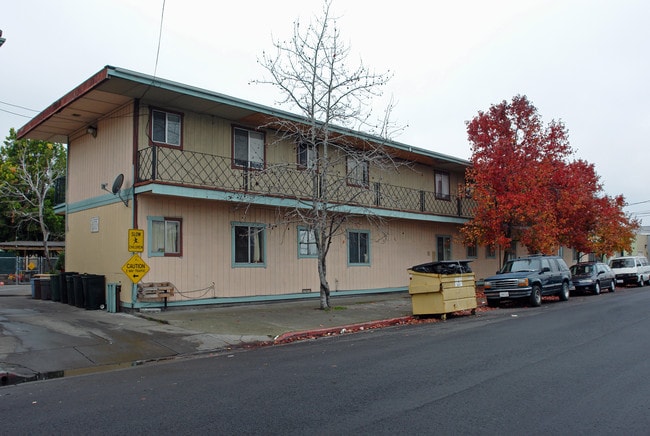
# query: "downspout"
[134,160]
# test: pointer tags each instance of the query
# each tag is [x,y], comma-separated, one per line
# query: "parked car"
[593,276]
[631,270]
[529,278]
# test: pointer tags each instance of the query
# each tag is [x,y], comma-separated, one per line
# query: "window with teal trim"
[248,244]
[358,247]
[165,237]
[307,242]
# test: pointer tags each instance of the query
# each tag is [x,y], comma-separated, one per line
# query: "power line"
[19,107]
[162,16]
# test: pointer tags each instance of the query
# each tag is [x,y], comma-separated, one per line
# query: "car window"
[622,263]
[547,264]
[519,265]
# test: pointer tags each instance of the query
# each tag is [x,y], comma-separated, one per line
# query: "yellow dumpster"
[439,288]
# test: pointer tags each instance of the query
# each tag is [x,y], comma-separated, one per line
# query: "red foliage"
[527,189]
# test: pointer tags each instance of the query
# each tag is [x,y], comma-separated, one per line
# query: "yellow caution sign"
[135,268]
[136,240]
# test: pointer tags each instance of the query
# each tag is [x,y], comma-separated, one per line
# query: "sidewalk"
[43,339]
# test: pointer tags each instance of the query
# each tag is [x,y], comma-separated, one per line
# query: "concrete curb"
[331,331]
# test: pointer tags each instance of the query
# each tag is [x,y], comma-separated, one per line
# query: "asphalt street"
[576,367]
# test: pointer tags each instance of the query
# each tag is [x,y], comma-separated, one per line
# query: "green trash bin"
[55,287]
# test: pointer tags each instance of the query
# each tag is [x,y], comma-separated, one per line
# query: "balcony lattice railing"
[179,167]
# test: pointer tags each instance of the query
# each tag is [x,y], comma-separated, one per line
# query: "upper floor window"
[165,237]
[166,128]
[248,148]
[490,252]
[442,185]
[306,156]
[358,172]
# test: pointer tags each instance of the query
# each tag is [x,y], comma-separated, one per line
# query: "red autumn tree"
[527,190]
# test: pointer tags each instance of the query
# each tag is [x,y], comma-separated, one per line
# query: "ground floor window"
[443,245]
[248,244]
[165,237]
[358,247]
[307,242]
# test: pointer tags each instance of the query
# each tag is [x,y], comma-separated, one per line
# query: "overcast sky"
[584,62]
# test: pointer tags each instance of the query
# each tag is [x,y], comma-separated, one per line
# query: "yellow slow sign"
[135,268]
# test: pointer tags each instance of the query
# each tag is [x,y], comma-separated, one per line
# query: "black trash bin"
[63,278]
[46,291]
[36,288]
[69,280]
[94,291]
[78,291]
[55,287]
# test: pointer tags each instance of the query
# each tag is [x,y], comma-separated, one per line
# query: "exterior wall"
[207,252]
[212,135]
[103,251]
[95,161]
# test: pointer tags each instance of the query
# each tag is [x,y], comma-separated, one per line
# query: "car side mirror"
[546,269]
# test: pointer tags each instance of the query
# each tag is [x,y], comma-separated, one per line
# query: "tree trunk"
[324,286]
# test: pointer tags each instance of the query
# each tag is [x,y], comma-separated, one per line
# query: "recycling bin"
[69,280]
[439,288]
[94,292]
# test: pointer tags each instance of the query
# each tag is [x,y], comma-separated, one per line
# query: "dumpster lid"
[444,267]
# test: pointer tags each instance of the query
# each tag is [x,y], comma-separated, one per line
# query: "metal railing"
[188,168]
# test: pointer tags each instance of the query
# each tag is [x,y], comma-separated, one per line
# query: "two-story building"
[192,170]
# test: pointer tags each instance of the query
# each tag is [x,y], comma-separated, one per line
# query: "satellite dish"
[117,184]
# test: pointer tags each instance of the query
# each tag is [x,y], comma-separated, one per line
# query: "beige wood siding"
[207,252]
[101,252]
[95,161]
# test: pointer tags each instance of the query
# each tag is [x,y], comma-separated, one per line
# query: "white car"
[633,270]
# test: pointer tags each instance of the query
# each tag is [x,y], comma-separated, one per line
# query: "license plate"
[504,294]
[619,282]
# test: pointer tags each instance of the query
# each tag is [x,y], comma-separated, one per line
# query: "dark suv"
[529,277]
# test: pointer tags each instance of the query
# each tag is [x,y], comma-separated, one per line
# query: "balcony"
[187,168]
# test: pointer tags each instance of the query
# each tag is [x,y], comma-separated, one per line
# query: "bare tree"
[311,72]
[28,170]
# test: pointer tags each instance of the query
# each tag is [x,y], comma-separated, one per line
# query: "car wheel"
[564,293]
[612,286]
[536,296]
[597,288]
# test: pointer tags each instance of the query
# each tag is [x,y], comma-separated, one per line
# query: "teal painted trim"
[262,298]
[99,201]
[209,194]
[247,105]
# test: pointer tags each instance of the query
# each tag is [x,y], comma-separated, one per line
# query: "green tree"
[28,170]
